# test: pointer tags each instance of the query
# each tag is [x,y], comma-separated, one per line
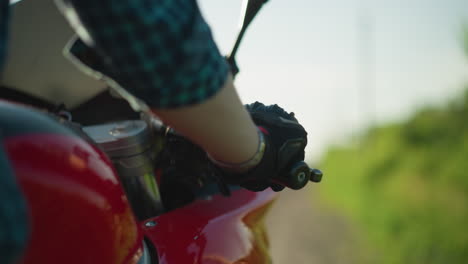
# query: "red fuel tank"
[77,207]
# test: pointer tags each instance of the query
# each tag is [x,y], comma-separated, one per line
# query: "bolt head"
[151,224]
[301,176]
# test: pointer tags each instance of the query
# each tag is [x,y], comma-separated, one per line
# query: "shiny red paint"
[218,230]
[78,210]
[79,213]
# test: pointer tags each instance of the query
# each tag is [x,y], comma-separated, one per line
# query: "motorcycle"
[120,192]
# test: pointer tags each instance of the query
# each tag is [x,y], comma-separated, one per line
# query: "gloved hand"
[285,141]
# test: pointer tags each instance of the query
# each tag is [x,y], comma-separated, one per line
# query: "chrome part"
[121,139]
[156,124]
[130,146]
[146,257]
[66,115]
[151,224]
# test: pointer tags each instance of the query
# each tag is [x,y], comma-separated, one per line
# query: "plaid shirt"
[160,51]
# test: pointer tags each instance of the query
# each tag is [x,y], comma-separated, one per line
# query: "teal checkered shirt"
[160,51]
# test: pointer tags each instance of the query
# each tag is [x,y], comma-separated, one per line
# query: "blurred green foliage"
[406,184]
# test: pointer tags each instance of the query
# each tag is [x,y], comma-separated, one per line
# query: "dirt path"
[301,232]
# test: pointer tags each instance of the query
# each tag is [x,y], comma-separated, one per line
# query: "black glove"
[285,141]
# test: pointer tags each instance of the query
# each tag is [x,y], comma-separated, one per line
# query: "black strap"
[15,95]
[99,109]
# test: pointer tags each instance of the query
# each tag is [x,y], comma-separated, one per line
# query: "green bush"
[406,185]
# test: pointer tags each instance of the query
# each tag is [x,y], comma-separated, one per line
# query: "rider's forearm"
[220,125]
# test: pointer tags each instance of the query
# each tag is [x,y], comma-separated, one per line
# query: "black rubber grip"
[296,178]
[299,175]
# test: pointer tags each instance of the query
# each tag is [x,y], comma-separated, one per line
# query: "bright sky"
[307,56]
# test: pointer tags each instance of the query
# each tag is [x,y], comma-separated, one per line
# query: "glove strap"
[246,165]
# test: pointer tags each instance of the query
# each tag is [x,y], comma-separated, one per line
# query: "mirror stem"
[252,8]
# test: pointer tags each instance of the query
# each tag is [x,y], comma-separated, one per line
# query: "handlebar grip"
[296,178]
[299,175]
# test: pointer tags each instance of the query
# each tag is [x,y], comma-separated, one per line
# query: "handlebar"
[295,177]
[299,175]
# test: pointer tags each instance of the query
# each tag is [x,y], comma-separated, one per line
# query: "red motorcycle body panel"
[78,210]
[218,230]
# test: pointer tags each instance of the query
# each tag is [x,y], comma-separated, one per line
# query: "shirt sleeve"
[4,17]
[14,222]
[160,51]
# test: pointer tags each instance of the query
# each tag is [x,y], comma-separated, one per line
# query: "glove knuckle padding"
[286,143]
[287,135]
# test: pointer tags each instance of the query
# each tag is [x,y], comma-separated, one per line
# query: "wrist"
[248,164]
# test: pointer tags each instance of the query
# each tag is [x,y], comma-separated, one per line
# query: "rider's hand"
[285,140]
